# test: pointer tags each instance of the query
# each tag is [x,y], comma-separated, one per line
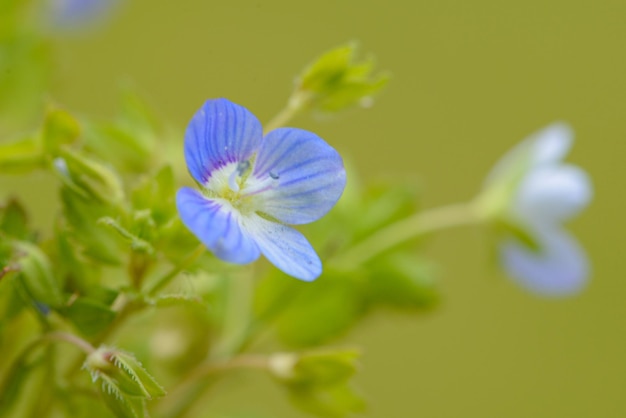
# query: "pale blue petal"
[547,146]
[217,226]
[552,193]
[560,268]
[75,13]
[285,247]
[302,177]
[551,144]
[221,132]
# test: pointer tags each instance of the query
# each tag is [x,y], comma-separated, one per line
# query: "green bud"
[59,128]
[37,275]
[318,382]
[121,372]
[88,177]
[336,81]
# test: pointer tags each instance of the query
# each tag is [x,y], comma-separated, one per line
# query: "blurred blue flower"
[69,14]
[537,192]
[252,186]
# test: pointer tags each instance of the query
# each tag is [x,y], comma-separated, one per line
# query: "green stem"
[403,230]
[298,102]
[168,277]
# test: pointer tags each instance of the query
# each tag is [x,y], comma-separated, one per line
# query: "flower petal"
[221,132]
[217,225]
[285,247]
[549,145]
[552,193]
[301,176]
[559,268]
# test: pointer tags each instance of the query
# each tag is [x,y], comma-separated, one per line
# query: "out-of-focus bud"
[336,81]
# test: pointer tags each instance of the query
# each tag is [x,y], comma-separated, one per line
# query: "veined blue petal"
[300,176]
[552,193]
[285,247]
[560,268]
[547,146]
[221,132]
[217,225]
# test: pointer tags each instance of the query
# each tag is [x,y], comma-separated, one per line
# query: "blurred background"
[470,79]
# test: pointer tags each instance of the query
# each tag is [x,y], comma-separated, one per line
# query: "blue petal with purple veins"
[304,176]
[221,132]
[217,225]
[285,247]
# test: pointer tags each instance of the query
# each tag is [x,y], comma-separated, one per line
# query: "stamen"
[232,181]
[241,169]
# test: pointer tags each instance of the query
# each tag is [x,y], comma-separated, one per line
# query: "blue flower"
[253,186]
[535,192]
[77,13]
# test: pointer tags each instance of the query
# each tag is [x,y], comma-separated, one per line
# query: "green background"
[470,79]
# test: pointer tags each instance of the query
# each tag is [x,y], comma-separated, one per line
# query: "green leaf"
[37,275]
[82,215]
[89,316]
[309,314]
[121,405]
[156,193]
[136,244]
[403,281]
[123,372]
[21,156]
[14,221]
[130,140]
[319,382]
[335,81]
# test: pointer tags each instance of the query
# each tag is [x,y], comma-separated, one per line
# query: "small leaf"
[311,313]
[21,156]
[96,241]
[89,316]
[123,372]
[128,363]
[136,243]
[403,281]
[14,221]
[121,405]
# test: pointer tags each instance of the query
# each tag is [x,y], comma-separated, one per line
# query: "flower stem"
[298,102]
[403,230]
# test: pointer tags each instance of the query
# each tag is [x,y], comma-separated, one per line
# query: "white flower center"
[235,183]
